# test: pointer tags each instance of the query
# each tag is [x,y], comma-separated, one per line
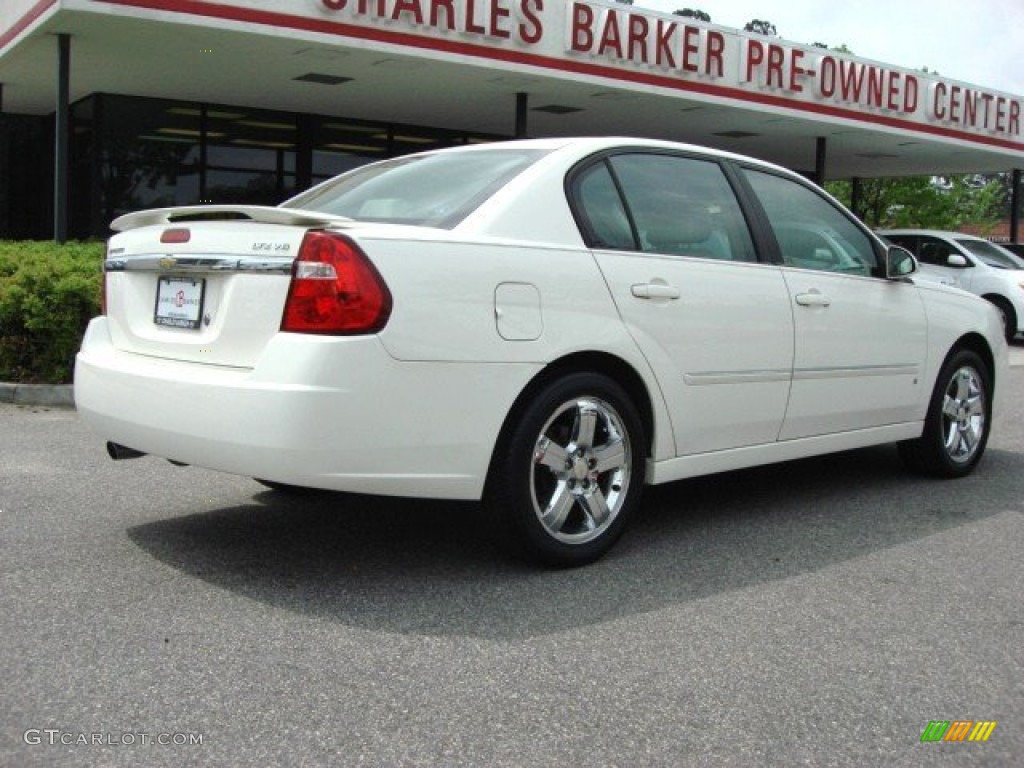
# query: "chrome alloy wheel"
[581,471]
[963,415]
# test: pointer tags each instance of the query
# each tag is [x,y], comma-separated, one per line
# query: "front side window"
[811,232]
[665,204]
[432,190]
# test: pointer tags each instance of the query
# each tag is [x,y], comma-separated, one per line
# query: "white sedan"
[546,325]
[971,263]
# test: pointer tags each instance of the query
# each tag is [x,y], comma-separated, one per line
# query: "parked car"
[546,325]
[970,263]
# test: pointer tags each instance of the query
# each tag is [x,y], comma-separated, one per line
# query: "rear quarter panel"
[444,300]
[444,291]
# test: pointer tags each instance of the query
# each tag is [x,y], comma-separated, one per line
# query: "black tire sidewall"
[932,452]
[509,490]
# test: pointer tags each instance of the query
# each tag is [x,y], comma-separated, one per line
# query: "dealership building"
[108,106]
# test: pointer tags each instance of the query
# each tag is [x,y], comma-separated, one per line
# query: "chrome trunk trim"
[173,264]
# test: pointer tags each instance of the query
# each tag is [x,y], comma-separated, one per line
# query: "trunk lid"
[204,284]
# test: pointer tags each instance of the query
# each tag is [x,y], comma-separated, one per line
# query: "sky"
[980,42]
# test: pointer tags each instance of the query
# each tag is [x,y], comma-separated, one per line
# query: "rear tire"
[569,471]
[958,422]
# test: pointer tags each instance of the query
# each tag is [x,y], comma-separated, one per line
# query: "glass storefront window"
[130,153]
[144,150]
[247,187]
[26,176]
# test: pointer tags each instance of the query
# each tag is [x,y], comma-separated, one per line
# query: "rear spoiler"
[263,214]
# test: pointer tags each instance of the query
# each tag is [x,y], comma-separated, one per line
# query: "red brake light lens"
[176,235]
[335,289]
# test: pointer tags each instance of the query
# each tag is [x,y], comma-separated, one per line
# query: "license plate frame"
[179,301]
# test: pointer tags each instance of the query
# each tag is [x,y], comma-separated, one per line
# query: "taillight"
[335,289]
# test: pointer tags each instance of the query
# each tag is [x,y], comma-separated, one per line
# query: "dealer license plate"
[179,301]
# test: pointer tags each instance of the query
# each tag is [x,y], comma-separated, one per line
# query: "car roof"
[585,145]
[932,233]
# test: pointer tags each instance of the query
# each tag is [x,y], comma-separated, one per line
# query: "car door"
[860,338]
[714,324]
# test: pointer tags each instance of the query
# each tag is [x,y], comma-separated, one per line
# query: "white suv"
[970,263]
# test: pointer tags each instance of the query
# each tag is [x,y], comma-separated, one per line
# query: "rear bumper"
[336,413]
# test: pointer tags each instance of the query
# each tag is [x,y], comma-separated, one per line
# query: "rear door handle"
[813,298]
[654,291]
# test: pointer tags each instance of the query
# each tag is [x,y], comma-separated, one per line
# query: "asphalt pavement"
[819,612]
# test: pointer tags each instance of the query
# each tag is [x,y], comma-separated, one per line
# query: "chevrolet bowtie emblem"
[167,262]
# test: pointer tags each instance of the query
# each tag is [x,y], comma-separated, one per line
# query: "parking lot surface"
[821,612]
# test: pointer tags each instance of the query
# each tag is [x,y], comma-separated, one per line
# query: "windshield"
[433,190]
[992,254]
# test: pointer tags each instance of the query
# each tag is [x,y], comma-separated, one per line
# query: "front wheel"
[570,470]
[958,421]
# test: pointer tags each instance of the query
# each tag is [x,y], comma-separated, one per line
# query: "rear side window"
[812,233]
[433,190]
[665,204]
[603,211]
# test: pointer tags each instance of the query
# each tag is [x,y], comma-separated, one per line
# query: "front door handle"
[813,298]
[654,291]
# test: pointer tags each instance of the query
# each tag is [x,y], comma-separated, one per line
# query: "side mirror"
[956,260]
[899,263]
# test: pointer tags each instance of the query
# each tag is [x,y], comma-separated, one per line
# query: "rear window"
[433,190]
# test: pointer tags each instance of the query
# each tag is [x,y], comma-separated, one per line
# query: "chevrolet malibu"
[545,325]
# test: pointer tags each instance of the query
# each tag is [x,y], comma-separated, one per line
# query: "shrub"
[48,294]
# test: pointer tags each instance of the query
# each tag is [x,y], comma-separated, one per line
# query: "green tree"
[980,200]
[761,27]
[692,13]
[899,202]
[927,202]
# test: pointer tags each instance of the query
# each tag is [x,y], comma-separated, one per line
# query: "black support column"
[61,173]
[1015,206]
[304,154]
[820,146]
[856,193]
[522,102]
